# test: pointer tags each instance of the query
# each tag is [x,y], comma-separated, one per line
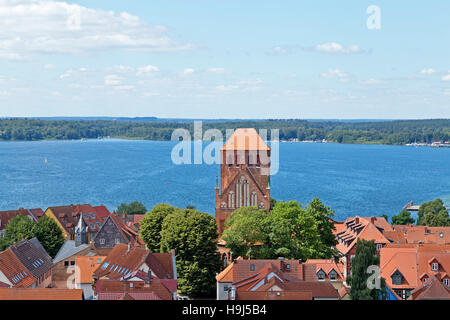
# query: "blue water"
[351,179]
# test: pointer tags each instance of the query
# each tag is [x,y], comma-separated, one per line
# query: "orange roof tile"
[14,270]
[245,139]
[85,266]
[40,294]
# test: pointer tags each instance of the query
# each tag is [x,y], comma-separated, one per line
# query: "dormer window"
[379,246]
[397,278]
[288,267]
[434,266]
[252,267]
[321,275]
[332,275]
[445,282]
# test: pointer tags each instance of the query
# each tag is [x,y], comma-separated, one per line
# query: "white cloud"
[66,74]
[49,66]
[226,87]
[125,87]
[187,71]
[250,81]
[370,81]
[446,77]
[216,70]
[29,27]
[335,73]
[112,80]
[146,69]
[427,71]
[333,47]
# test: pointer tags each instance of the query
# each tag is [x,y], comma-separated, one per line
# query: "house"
[433,289]
[115,231]
[406,267]
[129,263]
[33,256]
[6,216]
[354,228]
[272,280]
[40,294]
[424,234]
[328,270]
[145,289]
[67,217]
[85,266]
[13,273]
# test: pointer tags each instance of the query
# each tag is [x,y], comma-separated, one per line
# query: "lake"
[352,179]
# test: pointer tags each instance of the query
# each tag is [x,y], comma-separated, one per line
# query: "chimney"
[372,219]
[281,263]
[149,277]
[300,261]
[357,220]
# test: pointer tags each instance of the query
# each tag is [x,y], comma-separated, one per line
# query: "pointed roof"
[245,139]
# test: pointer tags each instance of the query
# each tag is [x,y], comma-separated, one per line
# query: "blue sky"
[224,59]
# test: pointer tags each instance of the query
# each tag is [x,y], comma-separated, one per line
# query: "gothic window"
[231,200]
[254,199]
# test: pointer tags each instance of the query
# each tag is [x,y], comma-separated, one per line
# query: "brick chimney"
[372,219]
[357,220]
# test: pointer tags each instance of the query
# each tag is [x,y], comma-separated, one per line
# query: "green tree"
[385,216]
[151,225]
[403,218]
[49,235]
[18,228]
[433,214]
[325,227]
[133,208]
[365,257]
[192,234]
[244,232]
[273,202]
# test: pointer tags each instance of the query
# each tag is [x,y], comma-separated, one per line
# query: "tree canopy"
[433,214]
[365,257]
[45,230]
[192,234]
[288,231]
[151,225]
[134,207]
[403,218]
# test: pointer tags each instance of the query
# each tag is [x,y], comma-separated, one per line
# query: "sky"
[323,59]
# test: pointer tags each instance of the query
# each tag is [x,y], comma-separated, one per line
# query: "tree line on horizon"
[396,132]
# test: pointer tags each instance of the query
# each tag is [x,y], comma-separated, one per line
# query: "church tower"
[81,232]
[244,175]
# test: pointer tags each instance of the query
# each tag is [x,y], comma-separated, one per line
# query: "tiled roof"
[395,236]
[327,265]
[413,261]
[355,228]
[6,216]
[32,257]
[128,296]
[69,249]
[40,294]
[14,270]
[85,266]
[245,139]
[161,265]
[121,261]
[35,242]
[425,234]
[433,289]
[117,286]
[68,216]
[130,234]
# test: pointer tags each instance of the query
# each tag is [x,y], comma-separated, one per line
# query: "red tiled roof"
[245,139]
[433,289]
[6,216]
[14,270]
[128,296]
[40,294]
[117,286]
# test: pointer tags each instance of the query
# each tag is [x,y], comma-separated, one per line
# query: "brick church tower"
[244,175]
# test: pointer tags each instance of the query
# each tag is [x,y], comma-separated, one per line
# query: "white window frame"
[102,240]
[435,266]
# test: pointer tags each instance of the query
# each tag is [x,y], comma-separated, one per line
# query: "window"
[434,266]
[117,240]
[379,246]
[332,275]
[321,275]
[102,241]
[66,263]
[252,267]
[288,266]
[105,265]
[397,278]
[445,281]
[72,263]
[424,279]
[226,288]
